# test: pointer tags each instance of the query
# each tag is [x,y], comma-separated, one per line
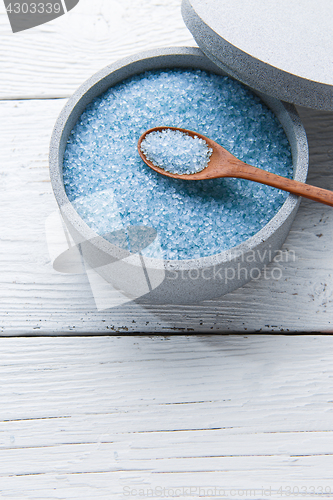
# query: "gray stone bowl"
[157,281]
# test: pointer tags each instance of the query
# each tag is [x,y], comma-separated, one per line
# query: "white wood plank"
[52,60]
[88,417]
[35,299]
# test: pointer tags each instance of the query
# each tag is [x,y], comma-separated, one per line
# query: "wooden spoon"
[224,164]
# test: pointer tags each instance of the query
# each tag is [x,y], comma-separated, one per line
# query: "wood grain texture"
[35,299]
[87,417]
[52,60]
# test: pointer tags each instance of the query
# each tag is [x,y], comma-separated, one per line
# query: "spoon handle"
[314,193]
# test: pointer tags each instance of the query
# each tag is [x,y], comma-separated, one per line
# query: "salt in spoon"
[224,164]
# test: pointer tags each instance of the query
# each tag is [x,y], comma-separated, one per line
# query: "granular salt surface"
[111,187]
[176,152]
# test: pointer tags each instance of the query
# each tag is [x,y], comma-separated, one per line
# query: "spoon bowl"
[224,164]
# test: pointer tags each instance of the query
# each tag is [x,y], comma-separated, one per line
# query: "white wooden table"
[120,416]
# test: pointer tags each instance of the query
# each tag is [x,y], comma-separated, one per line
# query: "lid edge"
[253,72]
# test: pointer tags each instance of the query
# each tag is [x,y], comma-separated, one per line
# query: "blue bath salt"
[112,188]
[176,152]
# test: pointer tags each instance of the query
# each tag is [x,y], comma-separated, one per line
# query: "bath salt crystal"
[112,188]
[176,152]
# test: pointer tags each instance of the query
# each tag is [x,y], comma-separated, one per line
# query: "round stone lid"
[282,48]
